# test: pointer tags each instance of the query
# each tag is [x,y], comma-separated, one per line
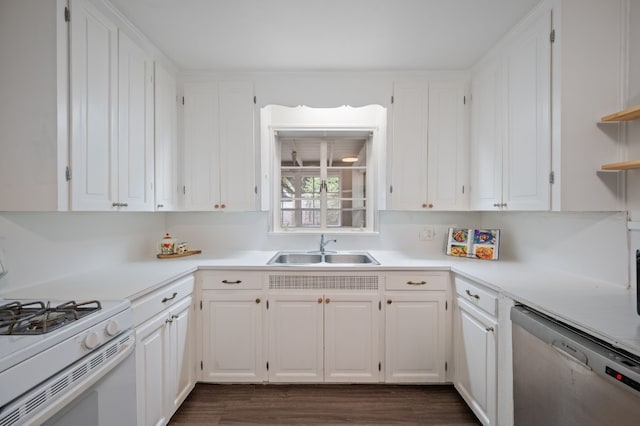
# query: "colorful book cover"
[477,243]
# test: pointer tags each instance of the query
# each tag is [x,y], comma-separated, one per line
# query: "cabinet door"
[527,156]
[236,163]
[152,354]
[181,364]
[296,338]
[351,338]
[409,147]
[232,337]
[475,360]
[166,140]
[135,127]
[415,338]
[448,148]
[93,77]
[485,161]
[201,115]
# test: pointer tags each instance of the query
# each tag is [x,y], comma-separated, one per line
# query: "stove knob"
[91,340]
[112,327]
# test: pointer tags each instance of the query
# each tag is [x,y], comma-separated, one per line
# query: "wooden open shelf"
[625,165]
[628,114]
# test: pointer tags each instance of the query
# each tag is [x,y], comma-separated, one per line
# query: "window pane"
[287,219]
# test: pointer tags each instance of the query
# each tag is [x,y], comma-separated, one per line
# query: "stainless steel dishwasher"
[563,376]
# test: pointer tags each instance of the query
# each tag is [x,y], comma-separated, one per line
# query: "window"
[322,182]
[323,175]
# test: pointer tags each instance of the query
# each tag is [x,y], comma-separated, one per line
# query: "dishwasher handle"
[569,351]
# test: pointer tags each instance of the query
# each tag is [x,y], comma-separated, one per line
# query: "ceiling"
[323,35]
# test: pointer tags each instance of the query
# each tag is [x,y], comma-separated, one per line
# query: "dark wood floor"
[323,404]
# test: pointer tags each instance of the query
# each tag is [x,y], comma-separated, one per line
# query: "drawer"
[161,299]
[417,281]
[231,280]
[479,296]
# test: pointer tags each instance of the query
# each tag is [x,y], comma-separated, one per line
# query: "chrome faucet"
[324,242]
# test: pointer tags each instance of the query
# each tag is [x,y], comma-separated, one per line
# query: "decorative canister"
[167,245]
[183,247]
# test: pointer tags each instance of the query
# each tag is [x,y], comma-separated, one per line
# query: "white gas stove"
[53,351]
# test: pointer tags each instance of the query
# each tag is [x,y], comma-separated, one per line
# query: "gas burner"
[19,318]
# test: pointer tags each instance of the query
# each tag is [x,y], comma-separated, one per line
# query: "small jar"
[167,245]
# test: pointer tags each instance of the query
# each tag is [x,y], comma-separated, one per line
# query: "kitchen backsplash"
[37,247]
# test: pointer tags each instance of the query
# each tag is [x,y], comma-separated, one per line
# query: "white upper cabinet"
[429,147]
[34,80]
[219,167]
[166,140]
[135,127]
[112,116]
[511,132]
[94,94]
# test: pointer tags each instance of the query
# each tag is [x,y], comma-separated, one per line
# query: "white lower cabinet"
[475,348]
[415,338]
[164,363]
[416,327]
[232,337]
[324,337]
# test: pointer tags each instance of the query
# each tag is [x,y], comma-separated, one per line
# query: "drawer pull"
[166,299]
[416,282]
[231,282]
[475,296]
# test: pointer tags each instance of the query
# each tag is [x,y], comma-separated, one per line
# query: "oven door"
[98,390]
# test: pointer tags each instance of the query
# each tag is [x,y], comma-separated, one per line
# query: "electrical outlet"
[427,233]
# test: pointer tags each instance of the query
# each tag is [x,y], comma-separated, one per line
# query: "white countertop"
[605,310]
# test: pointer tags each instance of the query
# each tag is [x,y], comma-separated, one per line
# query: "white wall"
[37,247]
[220,232]
[633,127]
[590,244]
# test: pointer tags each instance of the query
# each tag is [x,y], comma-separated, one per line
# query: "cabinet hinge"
[446,366]
[67,173]
[267,365]
[392,100]
[255,100]
[67,14]
[552,178]
[379,366]
[201,365]
[552,36]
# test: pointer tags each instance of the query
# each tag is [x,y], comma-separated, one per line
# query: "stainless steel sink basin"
[295,258]
[301,258]
[349,258]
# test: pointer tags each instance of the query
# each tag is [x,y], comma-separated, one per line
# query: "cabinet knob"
[430,205]
[216,206]
[124,204]
[115,204]
[168,320]
[319,299]
[222,206]
[489,329]
[389,302]
[496,205]
[257,300]
[160,206]
[174,317]
[424,205]
[327,300]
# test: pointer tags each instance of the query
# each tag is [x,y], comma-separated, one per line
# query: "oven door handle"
[123,345]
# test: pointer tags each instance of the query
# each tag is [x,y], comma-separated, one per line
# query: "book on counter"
[477,243]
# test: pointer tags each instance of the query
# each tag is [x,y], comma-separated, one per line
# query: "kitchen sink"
[304,258]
